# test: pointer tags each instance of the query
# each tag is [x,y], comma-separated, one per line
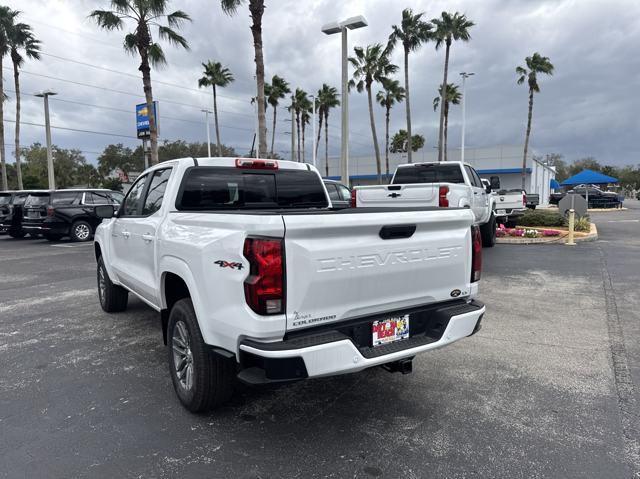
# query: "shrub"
[541,218]
[582,224]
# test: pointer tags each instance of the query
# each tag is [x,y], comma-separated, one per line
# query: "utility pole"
[50,170]
[293,132]
[313,121]
[464,76]
[206,115]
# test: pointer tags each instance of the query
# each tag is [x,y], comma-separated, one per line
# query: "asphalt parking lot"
[548,388]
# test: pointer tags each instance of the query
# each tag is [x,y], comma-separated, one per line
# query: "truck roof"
[232,162]
[422,163]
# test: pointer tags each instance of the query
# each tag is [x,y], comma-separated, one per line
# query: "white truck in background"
[509,204]
[257,277]
[450,184]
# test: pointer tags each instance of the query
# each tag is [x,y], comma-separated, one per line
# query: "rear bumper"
[332,352]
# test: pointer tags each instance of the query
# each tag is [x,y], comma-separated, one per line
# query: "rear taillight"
[50,211]
[264,288]
[476,254]
[443,201]
[353,198]
[524,199]
[256,164]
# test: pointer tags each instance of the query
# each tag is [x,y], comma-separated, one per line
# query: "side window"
[153,201]
[344,192]
[96,198]
[477,179]
[66,198]
[130,206]
[472,178]
[333,192]
[116,197]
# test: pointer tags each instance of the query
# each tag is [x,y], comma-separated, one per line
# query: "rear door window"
[473,177]
[429,173]
[207,187]
[5,198]
[333,192]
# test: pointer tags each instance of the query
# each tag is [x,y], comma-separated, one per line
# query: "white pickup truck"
[509,204]
[450,184]
[257,277]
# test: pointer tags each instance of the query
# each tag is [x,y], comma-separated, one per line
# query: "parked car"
[596,197]
[256,277]
[59,213]
[11,212]
[450,184]
[340,194]
[509,204]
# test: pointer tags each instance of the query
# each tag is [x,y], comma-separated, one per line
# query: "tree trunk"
[148,94]
[374,135]
[273,130]
[386,141]
[256,7]
[303,146]
[326,140]
[443,100]
[446,128]
[298,131]
[16,78]
[407,103]
[526,140]
[320,113]
[215,117]
[5,183]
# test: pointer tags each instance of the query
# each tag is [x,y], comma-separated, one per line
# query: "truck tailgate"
[341,266]
[397,195]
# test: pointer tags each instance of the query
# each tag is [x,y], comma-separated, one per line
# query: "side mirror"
[105,211]
[488,189]
[495,182]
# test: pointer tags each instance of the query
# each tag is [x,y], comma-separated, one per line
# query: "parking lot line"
[70,245]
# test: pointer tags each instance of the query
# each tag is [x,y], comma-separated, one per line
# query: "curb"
[592,236]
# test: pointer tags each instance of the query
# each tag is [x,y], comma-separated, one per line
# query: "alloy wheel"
[183,356]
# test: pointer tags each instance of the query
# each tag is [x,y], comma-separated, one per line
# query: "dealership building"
[504,162]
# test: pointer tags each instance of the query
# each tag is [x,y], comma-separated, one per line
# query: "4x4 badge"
[227,264]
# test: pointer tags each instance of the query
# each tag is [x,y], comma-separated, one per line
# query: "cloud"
[588,107]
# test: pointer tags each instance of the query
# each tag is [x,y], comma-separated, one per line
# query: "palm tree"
[7,17]
[393,93]
[299,102]
[327,99]
[412,32]
[534,64]
[216,75]
[145,14]
[256,9]
[447,29]
[305,119]
[21,38]
[371,65]
[275,92]
[453,97]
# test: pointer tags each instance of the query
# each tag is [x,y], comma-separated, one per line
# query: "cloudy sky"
[588,108]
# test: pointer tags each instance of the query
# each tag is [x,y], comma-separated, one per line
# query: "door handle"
[147,237]
[475,192]
[126,234]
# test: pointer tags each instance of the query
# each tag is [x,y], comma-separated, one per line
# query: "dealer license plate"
[390,330]
[502,212]
[33,214]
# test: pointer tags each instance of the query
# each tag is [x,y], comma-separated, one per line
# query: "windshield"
[37,199]
[232,188]
[5,199]
[429,173]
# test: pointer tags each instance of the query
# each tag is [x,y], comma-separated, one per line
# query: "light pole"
[464,76]
[313,121]
[329,29]
[206,116]
[46,94]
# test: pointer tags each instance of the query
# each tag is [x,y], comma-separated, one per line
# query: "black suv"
[11,203]
[59,213]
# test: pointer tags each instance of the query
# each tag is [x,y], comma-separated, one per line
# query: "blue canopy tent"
[554,185]
[589,177]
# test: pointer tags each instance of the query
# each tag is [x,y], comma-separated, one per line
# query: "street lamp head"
[331,28]
[467,74]
[354,22]
[44,93]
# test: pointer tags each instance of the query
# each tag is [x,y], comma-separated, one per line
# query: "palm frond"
[230,7]
[107,19]
[173,37]
[131,43]
[156,55]
[177,18]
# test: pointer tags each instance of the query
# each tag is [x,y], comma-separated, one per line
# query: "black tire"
[488,232]
[113,298]
[210,382]
[51,237]
[17,234]
[81,231]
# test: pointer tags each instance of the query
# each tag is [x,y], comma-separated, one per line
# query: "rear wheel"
[488,232]
[202,379]
[113,298]
[81,231]
[17,234]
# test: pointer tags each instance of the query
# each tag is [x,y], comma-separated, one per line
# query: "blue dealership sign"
[142,119]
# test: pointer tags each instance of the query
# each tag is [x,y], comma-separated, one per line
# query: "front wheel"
[17,234]
[488,232]
[202,379]
[113,298]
